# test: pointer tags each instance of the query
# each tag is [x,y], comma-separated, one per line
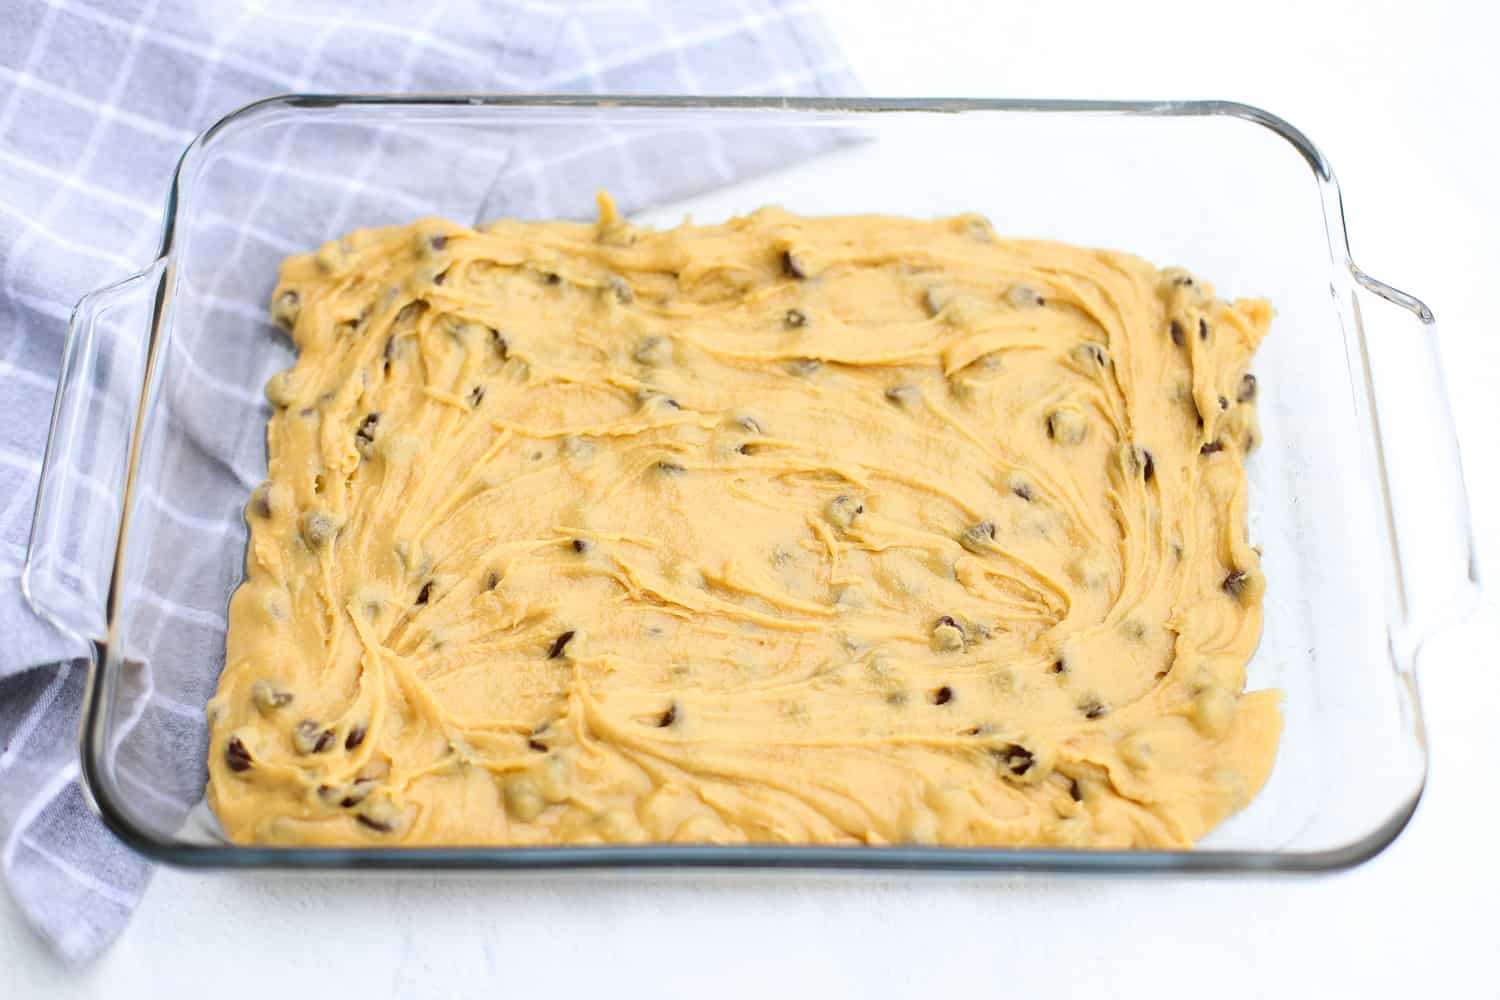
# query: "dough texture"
[808,530]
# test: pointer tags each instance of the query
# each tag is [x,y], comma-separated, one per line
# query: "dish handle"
[1419,463]
[75,528]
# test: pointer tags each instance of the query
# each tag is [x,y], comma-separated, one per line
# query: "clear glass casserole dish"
[1357,497]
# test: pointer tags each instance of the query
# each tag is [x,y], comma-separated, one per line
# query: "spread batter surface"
[809,530]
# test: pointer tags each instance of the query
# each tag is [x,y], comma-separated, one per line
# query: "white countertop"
[1402,98]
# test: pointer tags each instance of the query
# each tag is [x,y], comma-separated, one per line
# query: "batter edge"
[857,529]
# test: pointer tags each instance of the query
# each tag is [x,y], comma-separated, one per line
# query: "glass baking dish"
[1357,497]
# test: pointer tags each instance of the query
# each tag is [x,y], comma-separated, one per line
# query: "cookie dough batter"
[811,530]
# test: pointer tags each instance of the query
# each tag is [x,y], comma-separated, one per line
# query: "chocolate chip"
[437,241]
[364,437]
[380,824]
[653,351]
[1211,447]
[795,318]
[977,731]
[356,736]
[978,538]
[668,717]
[551,278]
[1247,389]
[310,737]
[1099,355]
[843,509]
[498,342]
[1135,459]
[537,745]
[581,545]
[792,265]
[1015,758]
[1223,403]
[236,756]
[492,581]
[267,697]
[1060,665]
[1067,426]
[1202,329]
[285,309]
[942,695]
[935,299]
[440,277]
[318,527]
[559,644]
[904,395]
[260,500]
[476,396]
[1182,280]
[1075,790]
[1234,584]
[1093,708]
[424,593]
[948,635]
[1022,490]
[624,294]
[746,449]
[1024,297]
[358,792]
[1177,335]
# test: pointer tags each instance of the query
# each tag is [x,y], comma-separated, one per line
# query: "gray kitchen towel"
[97,100]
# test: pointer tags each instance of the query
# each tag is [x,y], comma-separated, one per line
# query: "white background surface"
[1404,98]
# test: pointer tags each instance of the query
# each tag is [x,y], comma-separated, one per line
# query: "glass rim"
[106,797]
